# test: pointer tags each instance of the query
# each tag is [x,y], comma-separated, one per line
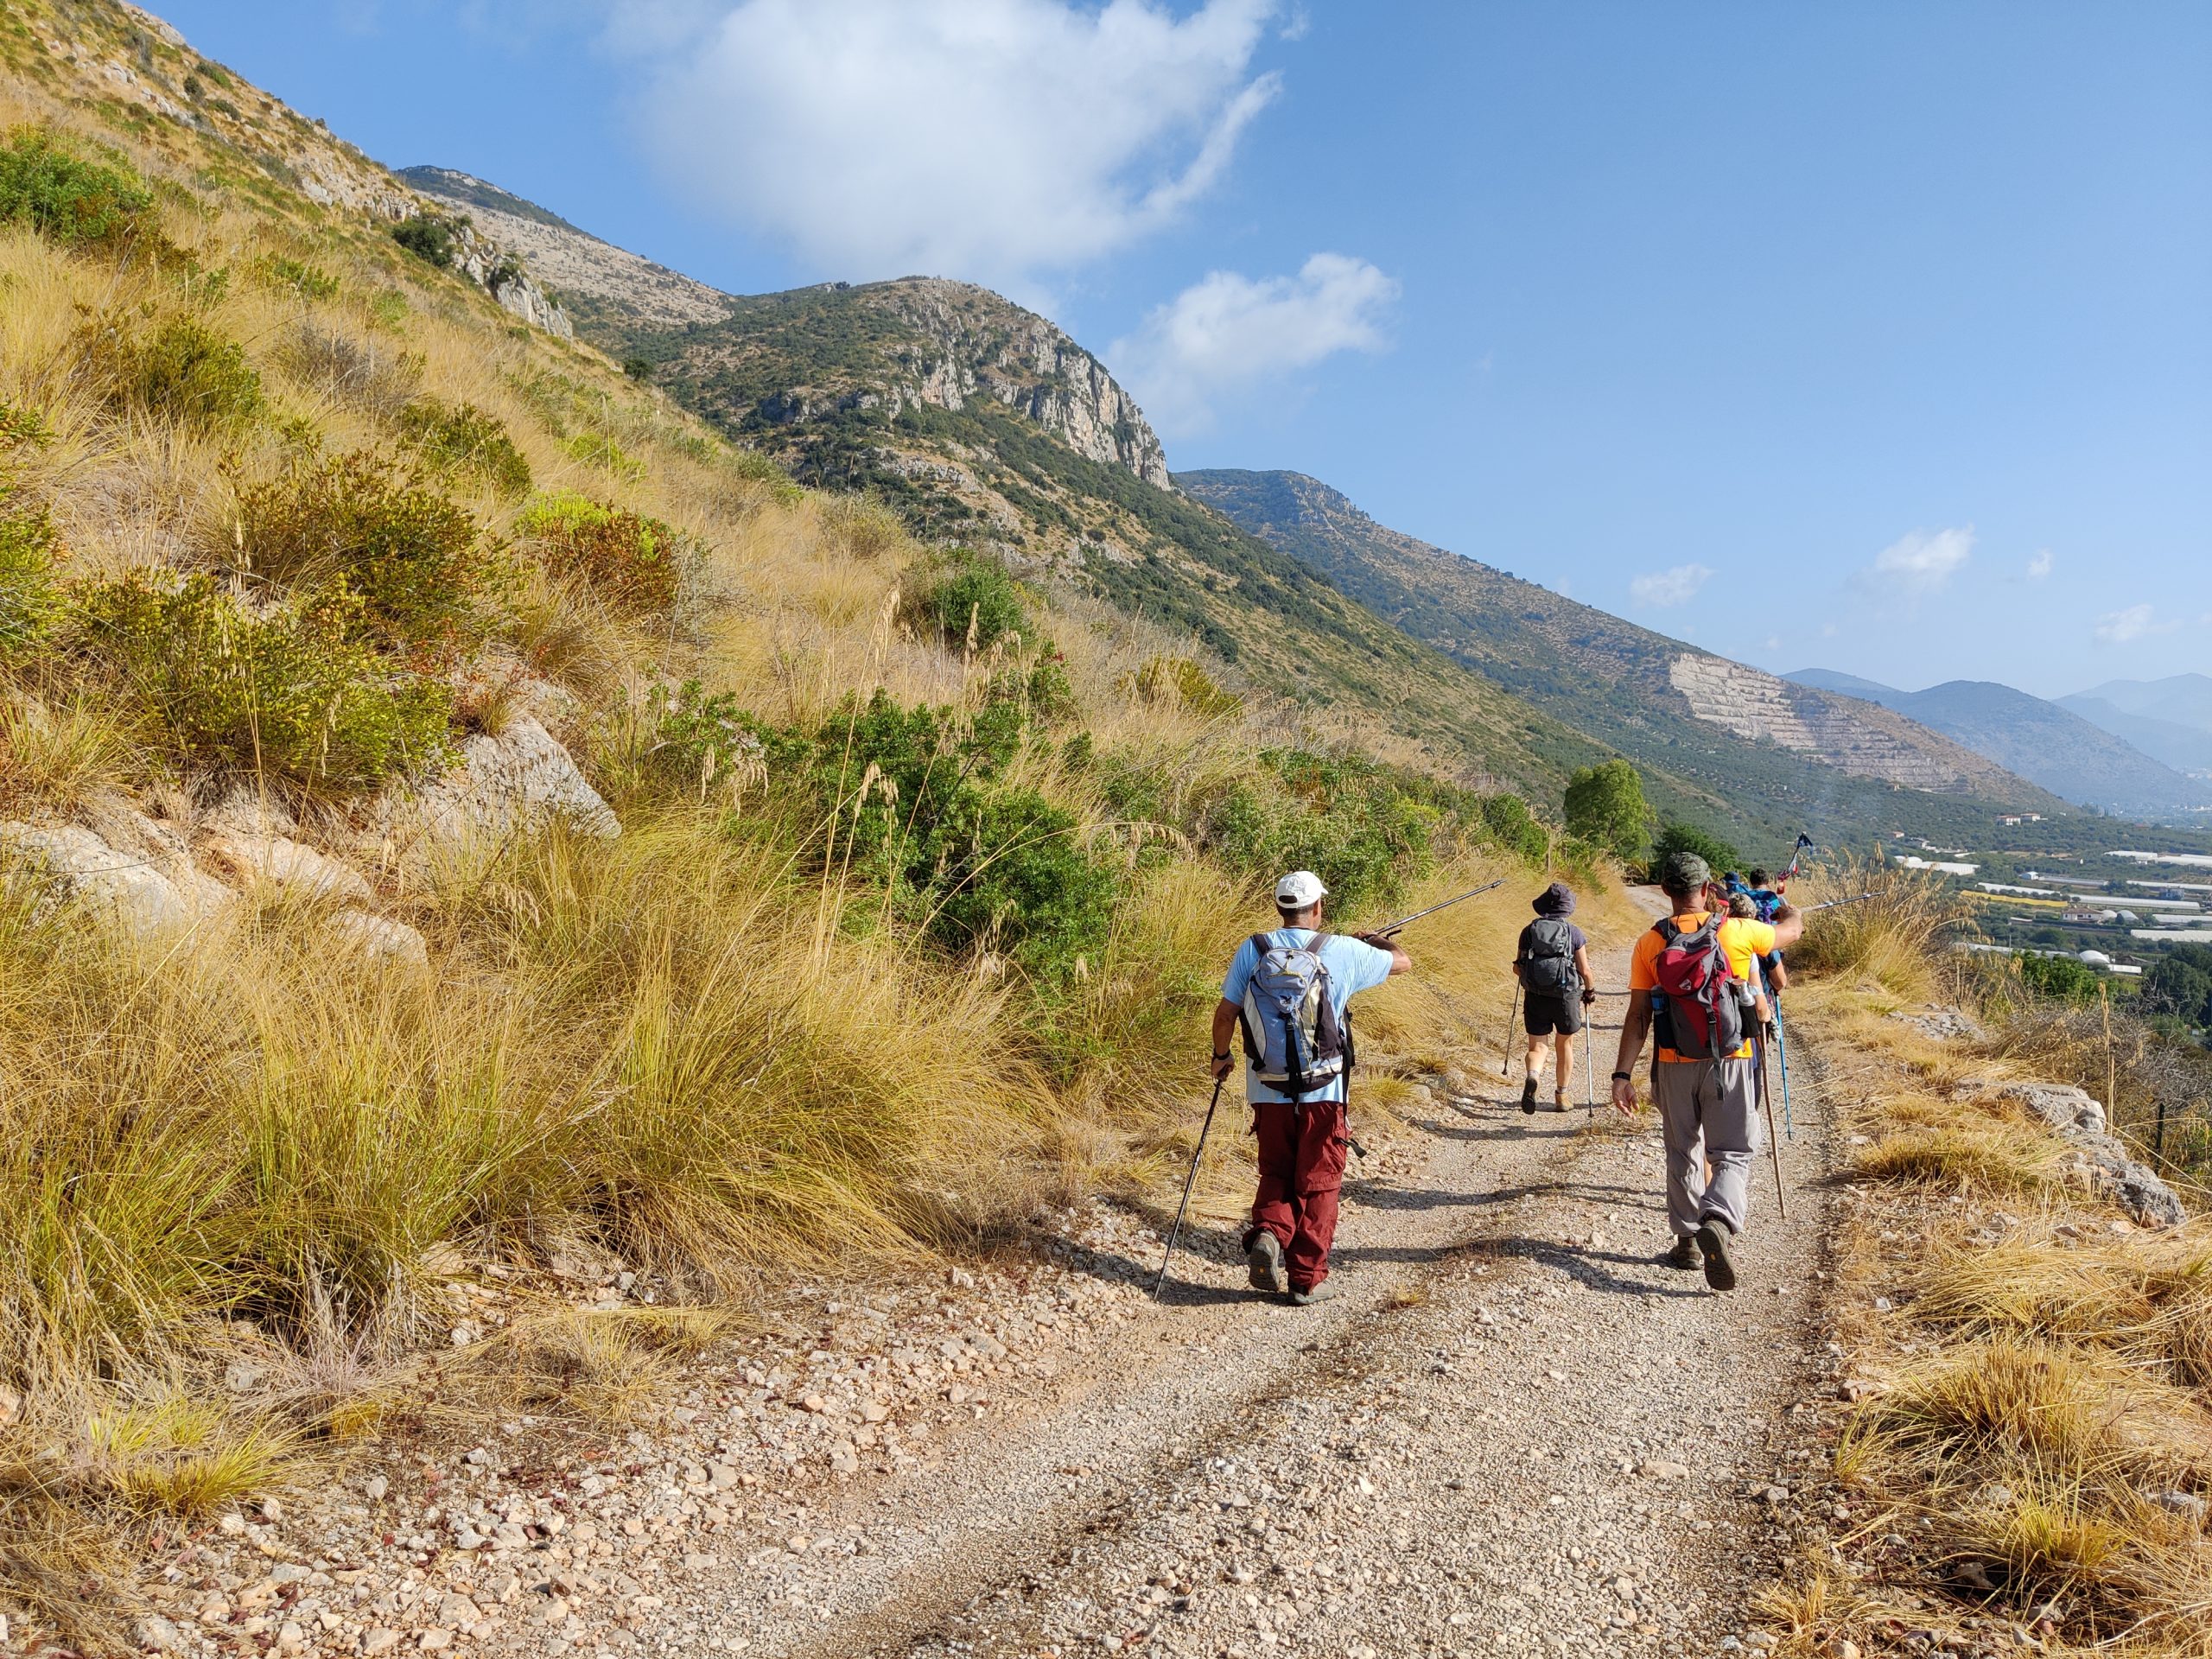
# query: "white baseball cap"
[1299,890]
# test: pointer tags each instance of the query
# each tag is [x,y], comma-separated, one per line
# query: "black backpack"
[1548,959]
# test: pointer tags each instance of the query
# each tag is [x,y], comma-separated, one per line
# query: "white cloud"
[986,139]
[1230,332]
[1677,585]
[2122,626]
[1924,561]
[2039,566]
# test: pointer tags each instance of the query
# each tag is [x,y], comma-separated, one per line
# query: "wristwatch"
[1623,1076]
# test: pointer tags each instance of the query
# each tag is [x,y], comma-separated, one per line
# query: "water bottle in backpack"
[1292,1036]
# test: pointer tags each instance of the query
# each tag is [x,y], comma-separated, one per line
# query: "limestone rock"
[503,787]
[289,866]
[380,939]
[2079,1120]
[148,889]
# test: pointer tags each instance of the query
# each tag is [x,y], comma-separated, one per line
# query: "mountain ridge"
[2041,740]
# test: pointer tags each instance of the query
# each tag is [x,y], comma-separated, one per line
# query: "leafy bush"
[914,797]
[1512,827]
[423,568]
[460,438]
[1606,806]
[429,236]
[1051,693]
[1361,826]
[64,198]
[597,449]
[309,281]
[2062,979]
[293,691]
[639,368]
[2180,983]
[179,367]
[1180,680]
[630,560]
[1676,837]
[974,605]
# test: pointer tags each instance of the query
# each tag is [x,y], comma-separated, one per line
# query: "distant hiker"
[1767,901]
[1288,991]
[1689,976]
[1552,962]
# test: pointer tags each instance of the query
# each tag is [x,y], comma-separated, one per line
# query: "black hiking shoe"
[1269,1271]
[1684,1255]
[1325,1291]
[1528,1097]
[1712,1243]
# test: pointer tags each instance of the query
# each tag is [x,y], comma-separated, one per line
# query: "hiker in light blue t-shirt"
[1294,1077]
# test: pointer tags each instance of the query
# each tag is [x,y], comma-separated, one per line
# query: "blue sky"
[1873,337]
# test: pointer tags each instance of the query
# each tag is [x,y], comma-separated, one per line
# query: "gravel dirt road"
[1519,1431]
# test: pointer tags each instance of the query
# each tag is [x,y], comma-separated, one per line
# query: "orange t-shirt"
[1742,938]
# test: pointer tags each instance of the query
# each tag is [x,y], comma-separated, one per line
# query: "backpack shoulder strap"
[1665,928]
[1260,945]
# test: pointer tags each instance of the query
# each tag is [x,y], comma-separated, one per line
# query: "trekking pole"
[1589,1074]
[1782,1050]
[1505,1060]
[1856,898]
[1189,1181]
[1390,928]
[1773,1147]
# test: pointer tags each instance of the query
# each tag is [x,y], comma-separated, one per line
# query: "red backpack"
[1699,1005]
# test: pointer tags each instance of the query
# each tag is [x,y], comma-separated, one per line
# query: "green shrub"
[639,368]
[1366,830]
[64,198]
[1605,807]
[972,605]
[292,692]
[460,438]
[2062,979]
[2180,984]
[597,449]
[425,572]
[630,560]
[1676,837]
[178,367]
[309,281]
[429,236]
[914,798]
[1180,679]
[1051,693]
[1509,826]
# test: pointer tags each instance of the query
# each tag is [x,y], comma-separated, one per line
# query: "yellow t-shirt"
[1743,940]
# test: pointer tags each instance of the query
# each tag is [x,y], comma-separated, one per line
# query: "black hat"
[1557,900]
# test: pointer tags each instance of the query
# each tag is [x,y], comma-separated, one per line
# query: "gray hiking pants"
[1708,1110]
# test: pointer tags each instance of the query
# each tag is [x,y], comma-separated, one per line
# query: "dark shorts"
[1545,1014]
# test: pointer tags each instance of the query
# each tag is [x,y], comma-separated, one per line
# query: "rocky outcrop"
[2077,1118]
[504,787]
[574,264]
[1859,738]
[143,880]
[280,865]
[986,345]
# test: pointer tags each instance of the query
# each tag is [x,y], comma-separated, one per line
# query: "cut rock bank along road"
[1517,1431]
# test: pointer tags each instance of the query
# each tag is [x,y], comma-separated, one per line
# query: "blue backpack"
[1293,1039]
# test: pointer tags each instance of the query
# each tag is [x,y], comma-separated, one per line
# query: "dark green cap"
[1684,873]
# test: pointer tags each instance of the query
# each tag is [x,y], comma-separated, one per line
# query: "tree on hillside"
[2061,978]
[1676,837]
[1606,805]
[2180,983]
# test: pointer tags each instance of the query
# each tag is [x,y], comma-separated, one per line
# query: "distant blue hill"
[2057,747]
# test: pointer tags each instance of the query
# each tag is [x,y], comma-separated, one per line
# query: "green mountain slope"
[1770,755]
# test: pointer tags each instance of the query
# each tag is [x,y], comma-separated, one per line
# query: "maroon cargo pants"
[1302,1174]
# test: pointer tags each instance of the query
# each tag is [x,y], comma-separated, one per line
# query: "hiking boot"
[1559,1103]
[1269,1270]
[1528,1097]
[1712,1243]
[1325,1291]
[1684,1255]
